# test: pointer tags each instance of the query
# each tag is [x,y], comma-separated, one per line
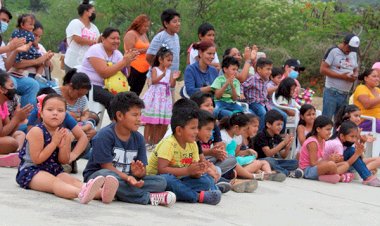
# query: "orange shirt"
[140,63]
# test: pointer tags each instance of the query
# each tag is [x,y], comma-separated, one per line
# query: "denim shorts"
[311,172]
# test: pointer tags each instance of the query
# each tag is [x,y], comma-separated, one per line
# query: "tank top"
[140,63]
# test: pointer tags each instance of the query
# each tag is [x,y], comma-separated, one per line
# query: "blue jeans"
[132,194]
[186,188]
[332,101]
[259,110]
[27,88]
[223,109]
[358,165]
[284,116]
[282,165]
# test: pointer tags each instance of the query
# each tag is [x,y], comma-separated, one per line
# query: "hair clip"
[165,46]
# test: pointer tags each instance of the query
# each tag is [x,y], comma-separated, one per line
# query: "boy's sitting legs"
[132,194]
[189,189]
[223,109]
[259,110]
[282,165]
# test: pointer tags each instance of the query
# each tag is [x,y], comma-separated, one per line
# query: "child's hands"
[138,169]
[359,148]
[218,152]
[335,157]
[16,43]
[252,152]
[196,169]
[66,139]
[58,135]
[132,181]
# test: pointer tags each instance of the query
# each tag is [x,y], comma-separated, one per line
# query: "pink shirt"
[333,146]
[4,111]
[304,154]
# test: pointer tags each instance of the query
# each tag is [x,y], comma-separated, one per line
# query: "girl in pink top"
[312,151]
[307,118]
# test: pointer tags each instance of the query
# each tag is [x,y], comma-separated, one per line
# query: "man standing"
[340,66]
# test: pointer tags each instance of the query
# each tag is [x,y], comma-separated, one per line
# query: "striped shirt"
[80,105]
[255,90]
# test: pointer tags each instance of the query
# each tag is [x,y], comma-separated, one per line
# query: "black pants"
[136,80]
[104,97]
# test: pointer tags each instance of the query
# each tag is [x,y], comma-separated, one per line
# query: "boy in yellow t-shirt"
[176,158]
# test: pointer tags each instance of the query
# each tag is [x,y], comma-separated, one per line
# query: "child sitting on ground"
[312,152]
[227,89]
[11,140]
[305,125]
[255,89]
[119,150]
[270,146]
[46,147]
[176,158]
[232,129]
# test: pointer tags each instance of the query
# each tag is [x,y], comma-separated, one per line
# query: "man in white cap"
[340,66]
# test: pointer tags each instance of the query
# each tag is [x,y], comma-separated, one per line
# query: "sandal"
[347,177]
[90,189]
[259,176]
[10,160]
[372,181]
[109,189]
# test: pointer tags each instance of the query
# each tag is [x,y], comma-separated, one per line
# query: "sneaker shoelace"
[158,198]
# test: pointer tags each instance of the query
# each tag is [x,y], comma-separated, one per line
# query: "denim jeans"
[186,188]
[284,116]
[358,165]
[282,165]
[223,109]
[131,194]
[27,88]
[259,110]
[332,101]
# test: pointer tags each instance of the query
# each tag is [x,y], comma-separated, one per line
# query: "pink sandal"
[109,189]
[333,178]
[10,160]
[347,177]
[90,189]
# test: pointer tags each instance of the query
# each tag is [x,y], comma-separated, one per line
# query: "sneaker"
[166,198]
[210,197]
[375,182]
[245,186]
[298,173]
[224,187]
[109,189]
[10,160]
[90,189]
[279,177]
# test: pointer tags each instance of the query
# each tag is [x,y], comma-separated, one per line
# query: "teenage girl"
[46,147]
[312,152]
[11,140]
[158,98]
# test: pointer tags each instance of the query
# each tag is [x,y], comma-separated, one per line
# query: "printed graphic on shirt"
[122,159]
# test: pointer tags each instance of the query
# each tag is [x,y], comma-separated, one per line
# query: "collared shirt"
[264,139]
[255,90]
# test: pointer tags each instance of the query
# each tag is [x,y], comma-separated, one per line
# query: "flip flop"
[10,160]
[347,177]
[109,189]
[90,189]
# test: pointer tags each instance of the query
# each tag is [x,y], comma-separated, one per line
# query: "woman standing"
[81,34]
[136,39]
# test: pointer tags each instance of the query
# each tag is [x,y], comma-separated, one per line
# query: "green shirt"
[227,95]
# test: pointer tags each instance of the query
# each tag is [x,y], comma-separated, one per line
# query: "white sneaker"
[166,198]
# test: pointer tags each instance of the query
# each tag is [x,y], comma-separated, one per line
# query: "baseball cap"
[294,63]
[353,41]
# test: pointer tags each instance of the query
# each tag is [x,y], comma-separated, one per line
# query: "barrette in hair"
[165,46]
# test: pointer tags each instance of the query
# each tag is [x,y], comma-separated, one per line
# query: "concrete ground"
[293,202]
